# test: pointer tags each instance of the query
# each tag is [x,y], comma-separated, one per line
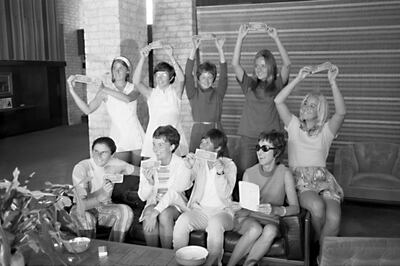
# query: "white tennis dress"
[164,109]
[126,130]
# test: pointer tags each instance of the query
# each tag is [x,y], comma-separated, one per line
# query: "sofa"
[292,246]
[369,171]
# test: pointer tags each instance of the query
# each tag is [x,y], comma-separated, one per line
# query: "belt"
[205,123]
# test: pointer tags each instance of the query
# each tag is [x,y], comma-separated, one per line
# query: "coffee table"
[120,254]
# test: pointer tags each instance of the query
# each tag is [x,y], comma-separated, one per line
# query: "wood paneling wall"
[29,31]
[361,37]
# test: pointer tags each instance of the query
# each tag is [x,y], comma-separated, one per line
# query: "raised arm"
[280,99]
[180,78]
[340,109]
[86,108]
[137,78]
[132,96]
[285,70]
[189,77]
[223,68]
[239,71]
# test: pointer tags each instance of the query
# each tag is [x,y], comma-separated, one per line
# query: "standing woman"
[259,111]
[205,100]
[121,104]
[310,137]
[164,101]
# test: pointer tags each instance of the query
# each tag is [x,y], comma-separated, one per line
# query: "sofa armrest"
[295,230]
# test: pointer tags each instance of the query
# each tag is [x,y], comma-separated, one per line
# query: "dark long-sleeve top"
[206,104]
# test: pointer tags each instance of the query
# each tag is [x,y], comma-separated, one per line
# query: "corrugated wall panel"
[361,37]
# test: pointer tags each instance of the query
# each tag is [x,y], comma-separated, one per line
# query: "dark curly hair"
[169,133]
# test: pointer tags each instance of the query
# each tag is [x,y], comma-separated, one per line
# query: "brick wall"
[69,14]
[174,22]
[112,28]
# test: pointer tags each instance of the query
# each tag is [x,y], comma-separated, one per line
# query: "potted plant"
[32,220]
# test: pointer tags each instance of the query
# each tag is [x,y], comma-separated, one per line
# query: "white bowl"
[77,244]
[191,255]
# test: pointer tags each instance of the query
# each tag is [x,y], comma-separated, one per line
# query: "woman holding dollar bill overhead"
[310,137]
[120,101]
[205,100]
[259,112]
[164,101]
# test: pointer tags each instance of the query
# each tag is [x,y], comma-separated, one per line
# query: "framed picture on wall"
[6,103]
[6,86]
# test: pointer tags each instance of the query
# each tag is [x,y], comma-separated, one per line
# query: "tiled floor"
[53,153]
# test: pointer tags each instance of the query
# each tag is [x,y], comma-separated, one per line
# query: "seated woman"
[209,205]
[258,229]
[91,177]
[310,137]
[158,183]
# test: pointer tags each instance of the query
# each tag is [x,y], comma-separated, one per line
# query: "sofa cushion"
[375,180]
[376,157]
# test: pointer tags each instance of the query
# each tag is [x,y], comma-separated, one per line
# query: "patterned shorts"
[317,179]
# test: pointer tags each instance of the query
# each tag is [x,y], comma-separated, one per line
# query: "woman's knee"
[167,217]
[251,228]
[314,204]
[270,231]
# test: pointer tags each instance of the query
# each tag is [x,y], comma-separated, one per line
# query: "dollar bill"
[257,26]
[115,178]
[321,67]
[150,164]
[86,79]
[156,44]
[205,155]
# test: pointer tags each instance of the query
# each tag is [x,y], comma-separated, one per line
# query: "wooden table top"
[120,254]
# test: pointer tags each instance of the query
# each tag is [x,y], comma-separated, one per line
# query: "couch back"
[375,157]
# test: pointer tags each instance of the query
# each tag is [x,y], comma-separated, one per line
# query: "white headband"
[125,60]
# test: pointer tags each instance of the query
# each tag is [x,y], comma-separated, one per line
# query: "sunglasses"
[264,148]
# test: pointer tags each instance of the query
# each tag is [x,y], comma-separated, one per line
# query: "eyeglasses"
[264,148]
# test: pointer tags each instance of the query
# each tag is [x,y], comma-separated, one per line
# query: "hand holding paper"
[205,155]
[114,178]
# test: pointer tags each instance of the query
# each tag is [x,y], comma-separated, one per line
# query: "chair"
[369,171]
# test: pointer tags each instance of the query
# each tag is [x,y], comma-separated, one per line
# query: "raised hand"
[145,51]
[332,73]
[71,82]
[272,32]
[219,42]
[304,72]
[168,50]
[196,43]
[243,30]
